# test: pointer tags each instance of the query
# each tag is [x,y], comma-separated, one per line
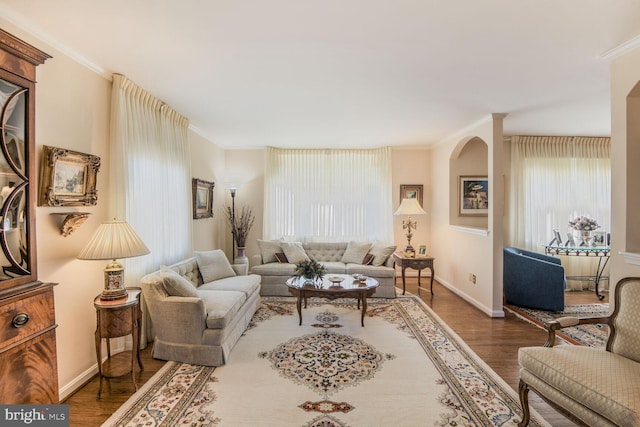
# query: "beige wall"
[625,75]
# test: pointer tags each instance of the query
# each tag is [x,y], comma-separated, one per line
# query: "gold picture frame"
[67,178]
[202,192]
[411,191]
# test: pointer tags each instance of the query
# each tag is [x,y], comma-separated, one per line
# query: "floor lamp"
[409,207]
[233,222]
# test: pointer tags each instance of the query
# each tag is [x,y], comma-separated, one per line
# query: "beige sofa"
[337,257]
[199,307]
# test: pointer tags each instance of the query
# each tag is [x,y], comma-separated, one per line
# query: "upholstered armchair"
[591,386]
[533,280]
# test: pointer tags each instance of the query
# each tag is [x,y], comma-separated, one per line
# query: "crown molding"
[621,49]
[19,21]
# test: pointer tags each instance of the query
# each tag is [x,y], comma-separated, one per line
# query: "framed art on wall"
[412,191]
[67,178]
[202,198]
[473,196]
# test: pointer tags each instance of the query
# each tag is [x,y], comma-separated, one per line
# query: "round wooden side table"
[118,318]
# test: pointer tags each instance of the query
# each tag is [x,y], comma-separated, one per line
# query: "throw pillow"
[381,251]
[355,252]
[268,250]
[282,258]
[176,285]
[294,252]
[213,265]
[368,259]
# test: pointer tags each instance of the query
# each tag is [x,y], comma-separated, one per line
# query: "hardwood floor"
[495,340]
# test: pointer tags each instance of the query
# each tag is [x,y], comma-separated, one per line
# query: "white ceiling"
[351,73]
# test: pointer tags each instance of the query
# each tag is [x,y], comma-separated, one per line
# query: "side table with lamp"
[408,259]
[117,308]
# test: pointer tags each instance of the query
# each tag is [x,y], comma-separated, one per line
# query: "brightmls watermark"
[34,415]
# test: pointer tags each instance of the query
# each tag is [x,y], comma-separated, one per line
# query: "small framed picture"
[599,238]
[202,198]
[557,238]
[571,243]
[422,250]
[413,191]
[473,196]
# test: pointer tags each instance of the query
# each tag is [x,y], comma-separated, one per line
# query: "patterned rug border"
[417,326]
[565,336]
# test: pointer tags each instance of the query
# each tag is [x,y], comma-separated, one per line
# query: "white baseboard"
[69,388]
[470,299]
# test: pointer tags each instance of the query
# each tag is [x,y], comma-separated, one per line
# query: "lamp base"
[112,294]
[113,282]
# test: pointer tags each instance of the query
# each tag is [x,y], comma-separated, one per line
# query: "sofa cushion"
[268,250]
[370,270]
[368,259]
[247,284]
[600,380]
[221,306]
[325,251]
[176,285]
[333,267]
[274,269]
[213,265]
[282,258]
[381,251]
[294,252]
[355,252]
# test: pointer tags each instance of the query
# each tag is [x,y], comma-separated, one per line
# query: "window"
[329,195]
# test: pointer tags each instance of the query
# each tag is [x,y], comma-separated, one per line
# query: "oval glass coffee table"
[331,288]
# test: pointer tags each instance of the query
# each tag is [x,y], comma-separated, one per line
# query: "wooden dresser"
[28,361]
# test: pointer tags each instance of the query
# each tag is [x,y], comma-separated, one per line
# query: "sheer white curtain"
[329,195]
[150,175]
[553,180]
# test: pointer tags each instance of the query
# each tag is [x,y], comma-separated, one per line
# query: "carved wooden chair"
[591,386]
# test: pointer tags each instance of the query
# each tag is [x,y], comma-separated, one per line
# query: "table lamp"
[409,207]
[113,240]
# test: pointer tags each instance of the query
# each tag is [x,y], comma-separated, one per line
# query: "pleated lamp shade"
[112,241]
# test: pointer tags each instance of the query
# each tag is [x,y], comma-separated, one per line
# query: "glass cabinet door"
[14,259]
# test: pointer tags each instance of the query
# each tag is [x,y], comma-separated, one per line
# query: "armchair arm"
[565,322]
[179,319]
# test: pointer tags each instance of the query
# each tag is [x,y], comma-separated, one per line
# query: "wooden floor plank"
[495,340]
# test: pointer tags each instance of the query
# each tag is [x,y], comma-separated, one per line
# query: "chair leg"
[523,391]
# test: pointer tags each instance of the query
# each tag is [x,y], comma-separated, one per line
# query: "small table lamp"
[409,207]
[113,240]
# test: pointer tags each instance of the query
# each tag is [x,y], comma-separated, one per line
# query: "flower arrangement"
[240,224]
[582,223]
[310,269]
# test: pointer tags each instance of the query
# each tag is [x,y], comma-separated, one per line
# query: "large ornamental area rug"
[587,335]
[405,367]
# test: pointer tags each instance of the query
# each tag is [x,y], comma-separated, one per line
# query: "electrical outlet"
[472,278]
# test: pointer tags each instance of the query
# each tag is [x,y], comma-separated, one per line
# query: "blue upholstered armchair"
[533,280]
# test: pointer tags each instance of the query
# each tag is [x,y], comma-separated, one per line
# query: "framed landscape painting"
[68,178]
[473,196]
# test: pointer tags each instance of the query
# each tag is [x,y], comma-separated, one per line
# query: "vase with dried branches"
[240,224]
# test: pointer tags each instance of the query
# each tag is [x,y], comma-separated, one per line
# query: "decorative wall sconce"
[71,221]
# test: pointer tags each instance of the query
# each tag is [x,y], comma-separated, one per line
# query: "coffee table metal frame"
[348,288]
